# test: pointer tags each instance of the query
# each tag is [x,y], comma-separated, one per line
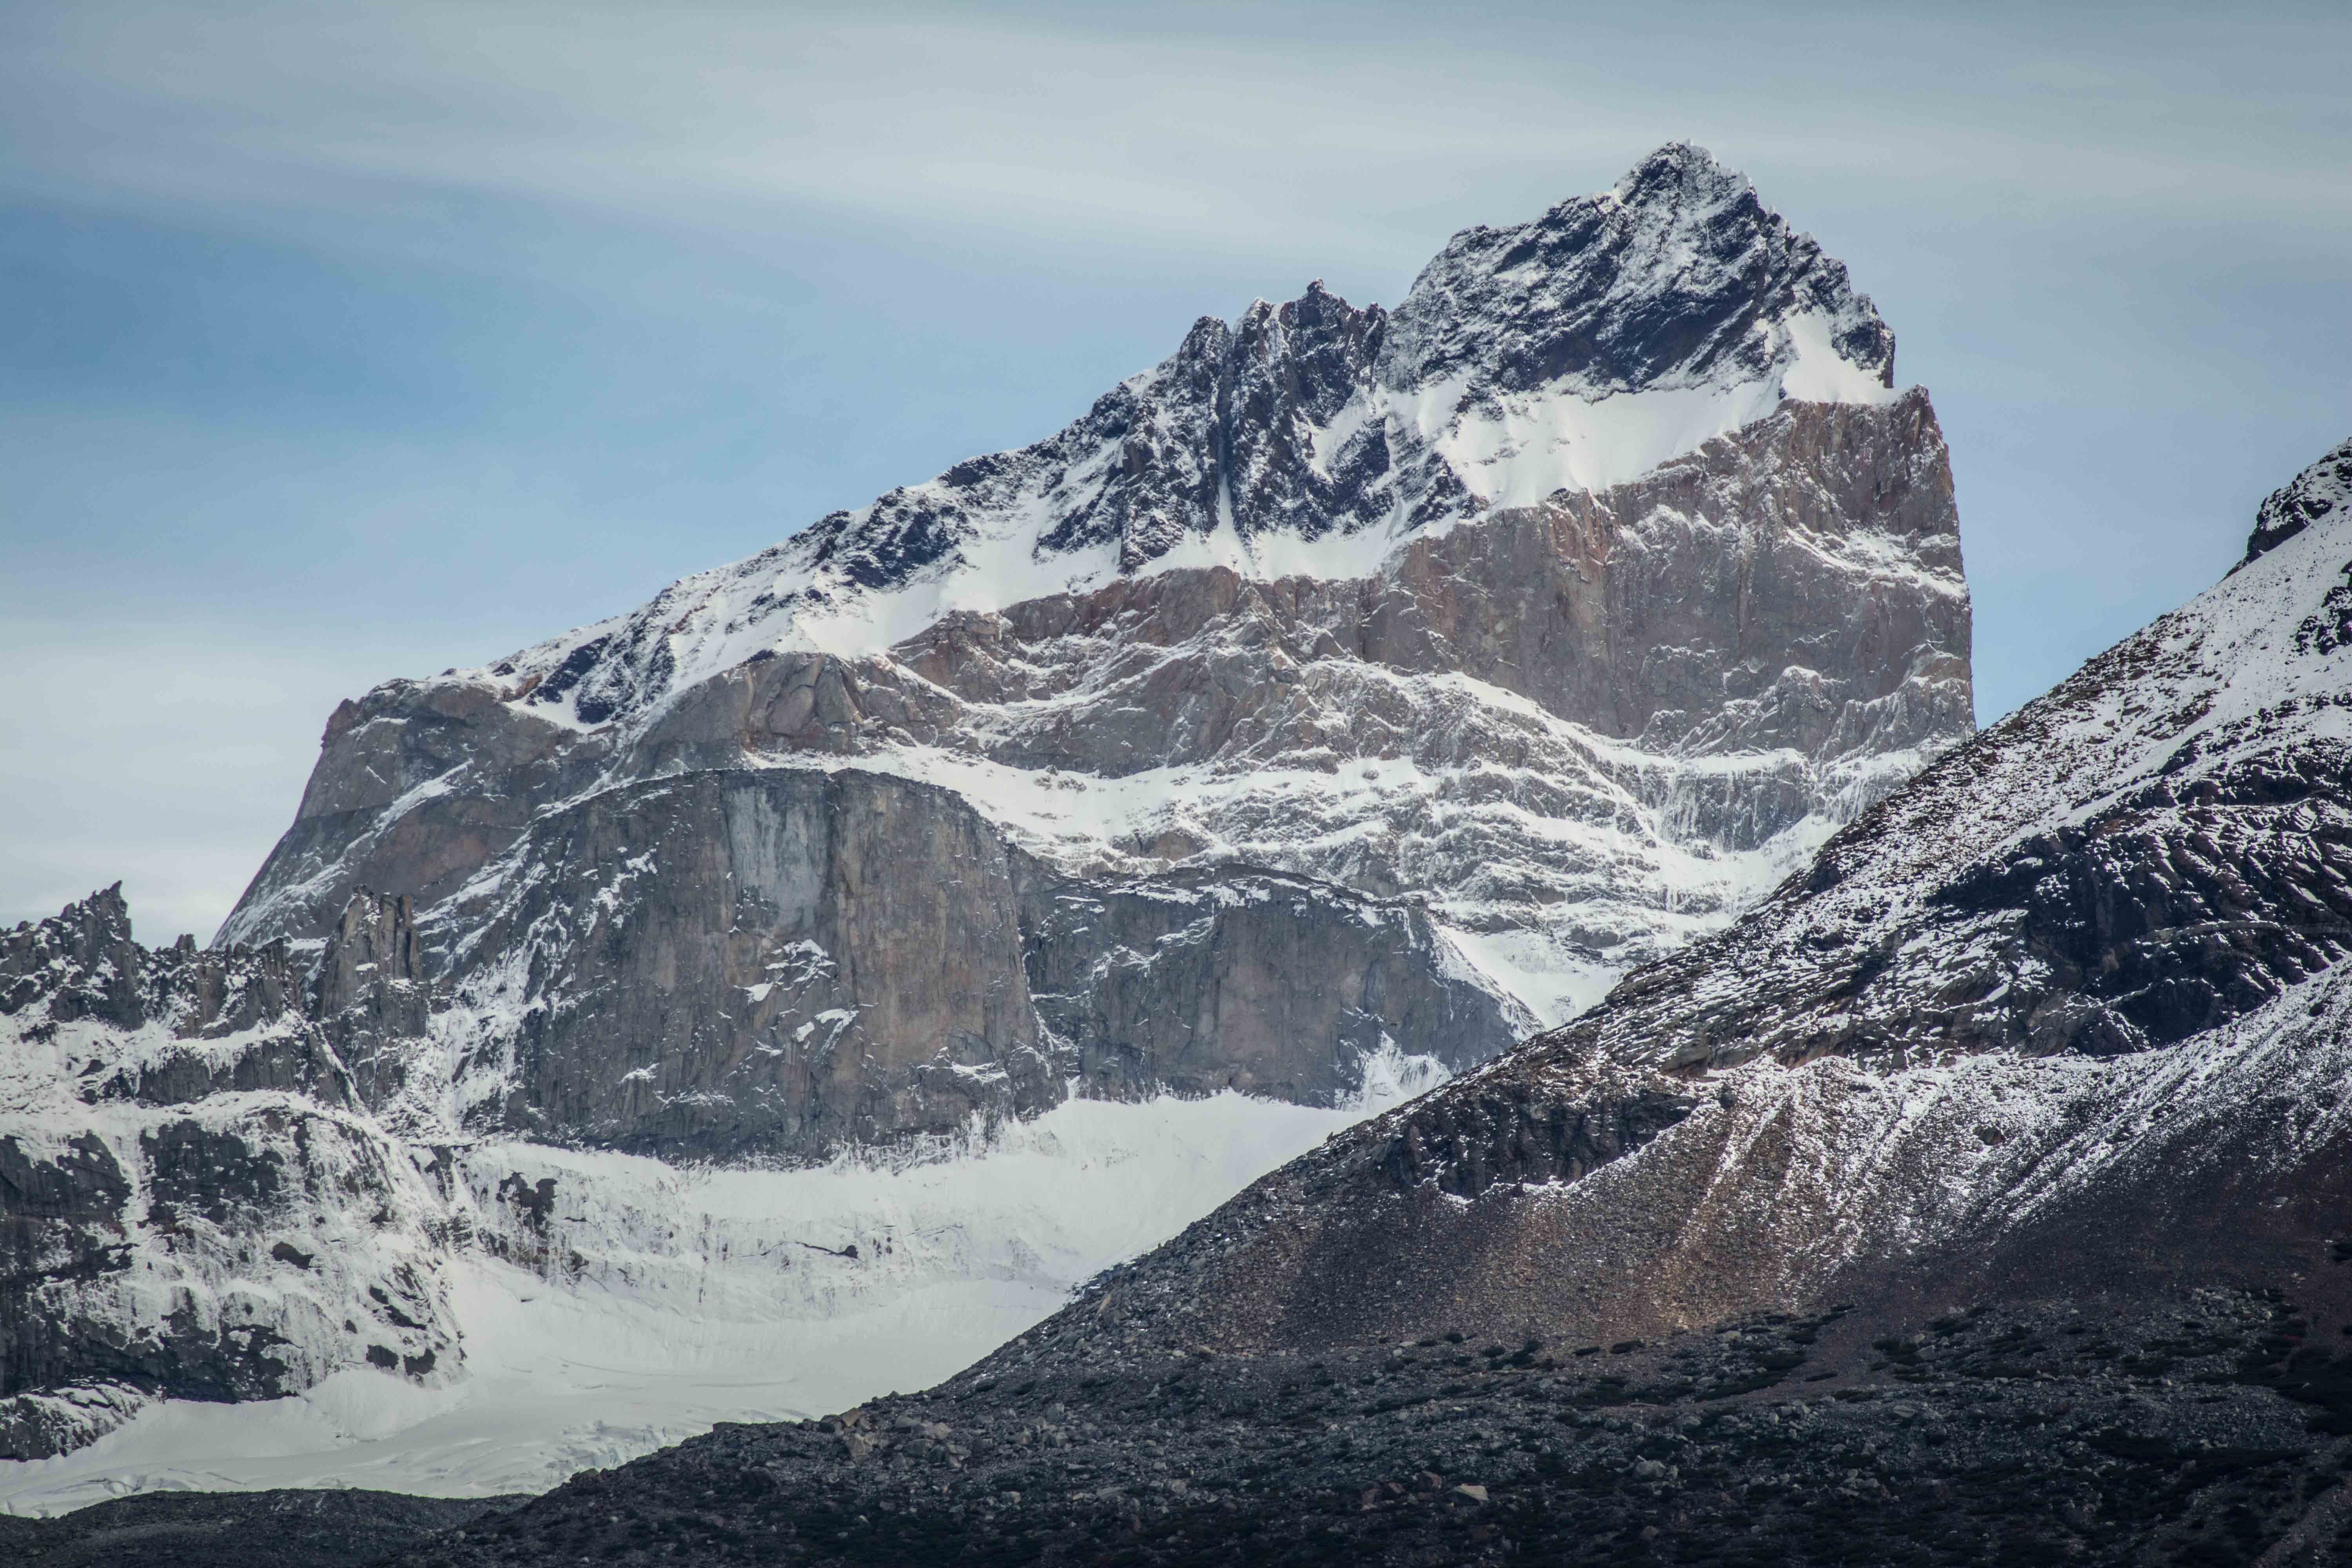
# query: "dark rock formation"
[176,1122]
[341,1528]
[2205,1427]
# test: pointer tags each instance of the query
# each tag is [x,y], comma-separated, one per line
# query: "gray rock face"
[1261,983]
[386,816]
[753,961]
[761,961]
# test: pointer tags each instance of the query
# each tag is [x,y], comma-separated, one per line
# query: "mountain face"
[1346,697]
[1981,1195]
[1352,677]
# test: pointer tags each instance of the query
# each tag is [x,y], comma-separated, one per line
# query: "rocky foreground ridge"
[1982,1197]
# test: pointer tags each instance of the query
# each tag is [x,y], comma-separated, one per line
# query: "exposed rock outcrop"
[194,1201]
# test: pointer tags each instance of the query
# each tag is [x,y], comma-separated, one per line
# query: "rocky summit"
[1984,1196]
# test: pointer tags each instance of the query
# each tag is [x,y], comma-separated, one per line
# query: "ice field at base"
[680,1310]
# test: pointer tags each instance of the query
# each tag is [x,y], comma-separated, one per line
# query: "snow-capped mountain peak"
[2322,490]
[1677,277]
[1311,438]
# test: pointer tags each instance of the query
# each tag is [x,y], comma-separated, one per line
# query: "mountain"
[1352,680]
[1980,1196]
[1327,709]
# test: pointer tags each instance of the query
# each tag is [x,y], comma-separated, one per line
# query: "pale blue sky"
[340,341]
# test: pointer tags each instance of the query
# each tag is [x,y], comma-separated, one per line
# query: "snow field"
[657,1301]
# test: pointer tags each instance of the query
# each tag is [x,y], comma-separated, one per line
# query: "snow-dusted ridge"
[1576,352]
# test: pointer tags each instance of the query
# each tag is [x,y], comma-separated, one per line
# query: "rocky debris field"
[231,1529]
[2211,1427]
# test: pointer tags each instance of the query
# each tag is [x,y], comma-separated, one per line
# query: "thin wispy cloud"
[1231,127]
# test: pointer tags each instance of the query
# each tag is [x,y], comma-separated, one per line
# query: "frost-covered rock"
[2323,489]
[1527,631]
[193,1200]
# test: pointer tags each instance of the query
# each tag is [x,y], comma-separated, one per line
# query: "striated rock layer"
[1386,679]
[2070,1008]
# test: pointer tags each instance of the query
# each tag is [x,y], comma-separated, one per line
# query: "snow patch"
[657,1301]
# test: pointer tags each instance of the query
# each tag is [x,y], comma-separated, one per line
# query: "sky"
[346,341]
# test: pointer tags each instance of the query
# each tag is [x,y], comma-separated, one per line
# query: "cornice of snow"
[1615,333]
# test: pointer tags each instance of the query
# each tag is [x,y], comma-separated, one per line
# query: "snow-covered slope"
[220,1267]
